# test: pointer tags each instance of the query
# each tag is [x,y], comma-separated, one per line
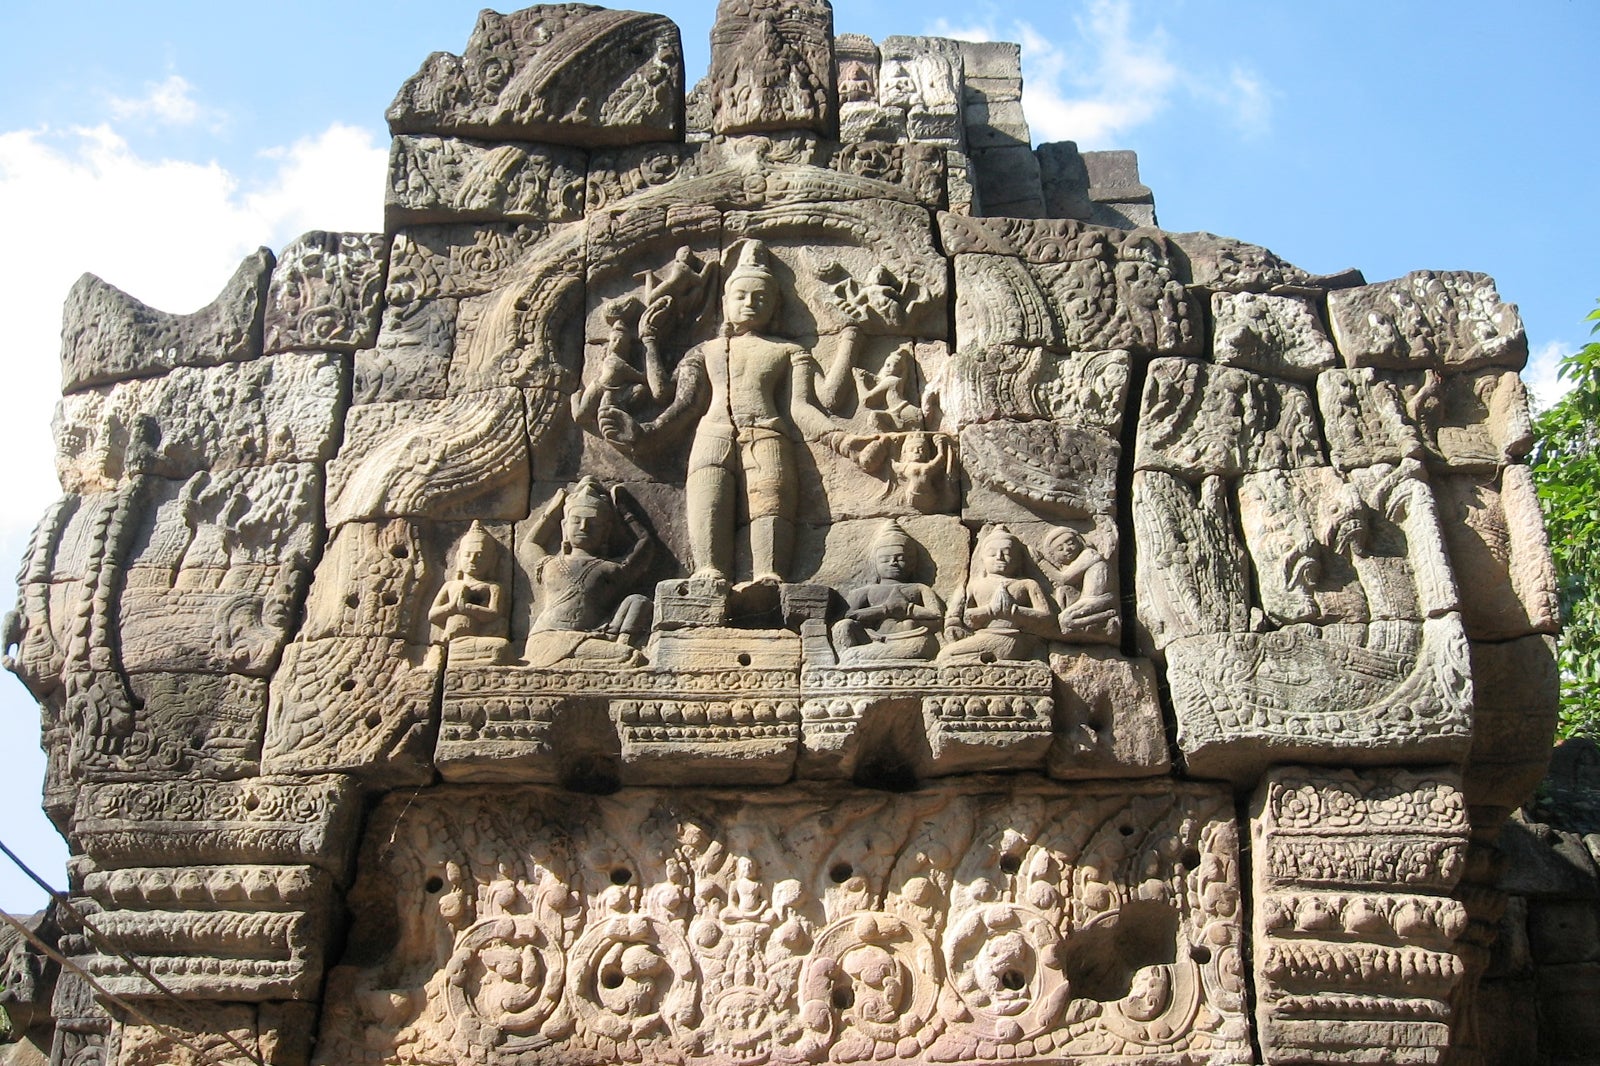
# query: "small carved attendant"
[889,618]
[999,615]
[579,589]
[1082,580]
[470,607]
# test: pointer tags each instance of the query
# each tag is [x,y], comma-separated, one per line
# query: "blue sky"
[155,144]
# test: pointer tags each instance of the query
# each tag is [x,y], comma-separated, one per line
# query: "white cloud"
[170,101]
[1541,375]
[168,231]
[1106,74]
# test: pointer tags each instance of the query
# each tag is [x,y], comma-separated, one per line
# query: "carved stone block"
[235,933]
[1384,692]
[1450,320]
[359,704]
[1051,470]
[559,73]
[430,458]
[280,409]
[805,924]
[893,723]
[267,821]
[325,292]
[412,358]
[1086,389]
[920,91]
[439,179]
[1367,417]
[1222,264]
[276,1034]
[871,264]
[107,335]
[1280,336]
[1190,576]
[1108,716]
[1494,531]
[772,67]
[1197,420]
[1356,956]
[373,580]
[1061,283]
[1518,691]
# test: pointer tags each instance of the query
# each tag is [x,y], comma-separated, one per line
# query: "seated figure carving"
[889,618]
[584,610]
[470,607]
[999,615]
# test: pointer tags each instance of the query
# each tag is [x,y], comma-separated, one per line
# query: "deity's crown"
[749,259]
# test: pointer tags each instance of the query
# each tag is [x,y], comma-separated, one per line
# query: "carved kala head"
[588,517]
[750,295]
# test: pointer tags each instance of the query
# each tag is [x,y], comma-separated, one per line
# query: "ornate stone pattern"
[1355,932]
[559,73]
[751,459]
[800,925]
[325,293]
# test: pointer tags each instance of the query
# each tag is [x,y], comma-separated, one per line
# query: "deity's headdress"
[748,259]
[476,538]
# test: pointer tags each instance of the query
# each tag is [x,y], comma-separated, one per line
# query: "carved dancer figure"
[889,618]
[1082,580]
[617,383]
[887,394]
[580,616]
[998,615]
[752,393]
[470,607]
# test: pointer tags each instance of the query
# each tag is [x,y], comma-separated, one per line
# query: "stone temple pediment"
[781,571]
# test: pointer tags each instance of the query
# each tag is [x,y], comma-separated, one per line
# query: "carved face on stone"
[891,562]
[1063,546]
[585,526]
[749,302]
[1000,555]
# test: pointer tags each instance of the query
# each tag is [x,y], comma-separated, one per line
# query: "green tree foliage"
[1566,465]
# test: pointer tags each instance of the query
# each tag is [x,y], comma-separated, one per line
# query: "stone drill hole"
[611,977]
[743,658]
[347,685]
[352,601]
[1200,953]
[1190,859]
[1125,830]
[621,875]
[390,599]
[1012,980]
[251,802]
[840,873]
[373,720]
[843,999]
[434,885]
[1010,864]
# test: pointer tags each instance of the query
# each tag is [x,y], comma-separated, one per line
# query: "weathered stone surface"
[797,895]
[428,458]
[1066,284]
[1198,420]
[1494,531]
[1517,692]
[772,67]
[107,335]
[559,73]
[281,409]
[1445,320]
[1356,952]
[447,179]
[1279,336]
[1108,716]
[1384,692]
[661,450]
[325,293]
